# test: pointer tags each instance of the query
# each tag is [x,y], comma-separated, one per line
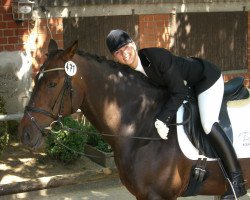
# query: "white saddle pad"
[239,114]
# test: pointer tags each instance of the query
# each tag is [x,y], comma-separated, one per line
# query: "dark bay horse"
[120,103]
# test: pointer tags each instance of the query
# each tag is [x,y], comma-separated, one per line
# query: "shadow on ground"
[20,164]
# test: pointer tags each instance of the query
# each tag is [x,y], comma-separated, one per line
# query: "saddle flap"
[194,129]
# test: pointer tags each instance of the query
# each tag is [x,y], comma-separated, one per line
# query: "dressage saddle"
[234,90]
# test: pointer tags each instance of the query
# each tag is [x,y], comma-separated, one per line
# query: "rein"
[50,128]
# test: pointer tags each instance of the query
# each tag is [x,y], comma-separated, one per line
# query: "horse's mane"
[130,74]
[115,65]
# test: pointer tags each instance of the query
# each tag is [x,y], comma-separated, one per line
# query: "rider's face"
[127,55]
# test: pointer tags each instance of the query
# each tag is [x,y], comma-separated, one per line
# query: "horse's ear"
[52,46]
[70,51]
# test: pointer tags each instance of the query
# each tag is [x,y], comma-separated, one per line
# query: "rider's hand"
[162,129]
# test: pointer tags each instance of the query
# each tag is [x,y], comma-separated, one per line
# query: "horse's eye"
[52,84]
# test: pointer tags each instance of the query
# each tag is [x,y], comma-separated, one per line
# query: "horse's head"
[56,93]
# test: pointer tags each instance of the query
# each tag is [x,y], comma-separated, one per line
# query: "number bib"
[70,68]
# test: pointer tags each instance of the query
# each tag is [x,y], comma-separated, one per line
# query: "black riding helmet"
[117,39]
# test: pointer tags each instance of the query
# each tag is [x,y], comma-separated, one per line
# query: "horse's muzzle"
[31,139]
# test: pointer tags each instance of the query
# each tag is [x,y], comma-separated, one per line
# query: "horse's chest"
[128,176]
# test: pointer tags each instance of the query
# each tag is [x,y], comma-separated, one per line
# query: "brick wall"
[154,30]
[32,35]
[40,35]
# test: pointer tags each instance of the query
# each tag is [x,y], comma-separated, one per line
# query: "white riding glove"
[162,129]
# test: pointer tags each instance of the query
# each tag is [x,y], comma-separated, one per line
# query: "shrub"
[4,137]
[13,130]
[96,140]
[65,145]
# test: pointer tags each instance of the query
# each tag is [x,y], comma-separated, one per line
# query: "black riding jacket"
[177,74]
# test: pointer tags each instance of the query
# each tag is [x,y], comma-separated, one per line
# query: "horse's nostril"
[26,136]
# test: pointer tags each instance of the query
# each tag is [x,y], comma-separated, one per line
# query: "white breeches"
[209,103]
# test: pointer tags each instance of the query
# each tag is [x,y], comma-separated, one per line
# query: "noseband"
[66,86]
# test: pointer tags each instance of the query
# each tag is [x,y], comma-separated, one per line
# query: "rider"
[177,74]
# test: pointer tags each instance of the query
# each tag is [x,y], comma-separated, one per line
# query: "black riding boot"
[226,153]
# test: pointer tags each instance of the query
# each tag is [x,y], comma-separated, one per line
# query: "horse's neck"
[114,102]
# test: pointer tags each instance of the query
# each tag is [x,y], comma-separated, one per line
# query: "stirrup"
[235,190]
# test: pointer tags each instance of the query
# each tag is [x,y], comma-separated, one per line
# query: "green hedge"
[67,146]
[64,145]
[97,141]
